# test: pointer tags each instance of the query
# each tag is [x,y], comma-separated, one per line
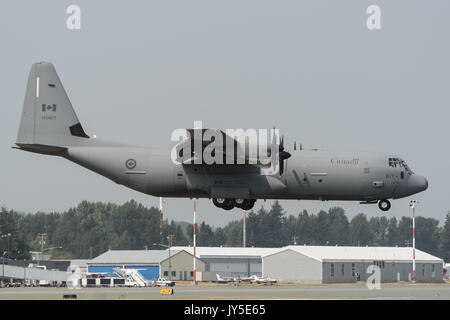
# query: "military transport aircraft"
[50,126]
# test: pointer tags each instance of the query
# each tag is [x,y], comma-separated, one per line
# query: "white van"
[43,283]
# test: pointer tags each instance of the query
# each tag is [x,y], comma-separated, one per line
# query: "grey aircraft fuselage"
[314,175]
[50,126]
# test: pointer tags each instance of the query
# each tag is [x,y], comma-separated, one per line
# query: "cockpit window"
[394,162]
[397,162]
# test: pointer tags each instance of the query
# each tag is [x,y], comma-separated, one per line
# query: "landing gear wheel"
[226,204]
[219,202]
[248,204]
[384,205]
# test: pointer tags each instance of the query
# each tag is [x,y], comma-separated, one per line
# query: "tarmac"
[359,291]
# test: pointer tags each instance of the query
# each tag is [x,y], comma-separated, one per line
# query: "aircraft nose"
[417,183]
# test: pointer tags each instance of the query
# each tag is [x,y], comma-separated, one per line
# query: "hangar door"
[229,267]
[255,268]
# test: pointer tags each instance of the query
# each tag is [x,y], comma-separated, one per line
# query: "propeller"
[283,155]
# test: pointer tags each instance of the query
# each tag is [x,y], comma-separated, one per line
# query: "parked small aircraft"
[264,281]
[226,279]
[247,279]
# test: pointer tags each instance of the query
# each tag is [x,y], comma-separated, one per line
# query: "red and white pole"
[413,206]
[195,244]
[161,219]
[244,227]
[414,243]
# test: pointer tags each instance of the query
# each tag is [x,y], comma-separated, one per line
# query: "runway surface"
[231,292]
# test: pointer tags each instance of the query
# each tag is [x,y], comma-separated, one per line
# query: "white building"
[327,264]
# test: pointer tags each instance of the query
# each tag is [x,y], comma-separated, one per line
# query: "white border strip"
[37,87]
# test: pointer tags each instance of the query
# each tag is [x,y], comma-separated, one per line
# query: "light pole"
[170,239]
[42,235]
[3,273]
[4,253]
[413,206]
[163,245]
[9,238]
[46,249]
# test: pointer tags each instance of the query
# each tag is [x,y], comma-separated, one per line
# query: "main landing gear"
[228,204]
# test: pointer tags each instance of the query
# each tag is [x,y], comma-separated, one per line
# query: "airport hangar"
[317,264]
[152,264]
[328,264]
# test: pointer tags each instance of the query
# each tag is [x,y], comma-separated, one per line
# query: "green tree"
[338,227]
[304,228]
[205,235]
[379,227]
[233,234]
[404,231]
[321,227]
[11,238]
[359,231]
[444,246]
[219,237]
[427,235]
[392,233]
[265,227]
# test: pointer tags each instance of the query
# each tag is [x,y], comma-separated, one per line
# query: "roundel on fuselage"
[130,164]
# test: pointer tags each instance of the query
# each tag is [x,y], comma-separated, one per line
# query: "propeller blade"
[281,166]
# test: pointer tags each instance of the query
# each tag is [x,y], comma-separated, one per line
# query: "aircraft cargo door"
[179,180]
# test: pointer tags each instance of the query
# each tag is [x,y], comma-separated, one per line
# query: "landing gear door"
[393,180]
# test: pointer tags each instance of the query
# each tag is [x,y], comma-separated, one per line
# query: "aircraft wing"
[214,143]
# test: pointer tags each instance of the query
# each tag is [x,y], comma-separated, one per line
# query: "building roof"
[228,252]
[333,253]
[133,257]
[79,262]
[320,253]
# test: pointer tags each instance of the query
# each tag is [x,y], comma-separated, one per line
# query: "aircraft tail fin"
[48,122]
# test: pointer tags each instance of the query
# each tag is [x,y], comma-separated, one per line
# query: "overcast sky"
[136,70]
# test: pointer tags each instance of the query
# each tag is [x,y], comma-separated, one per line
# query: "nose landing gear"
[228,204]
[384,205]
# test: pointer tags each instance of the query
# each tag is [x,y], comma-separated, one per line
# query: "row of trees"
[92,228]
